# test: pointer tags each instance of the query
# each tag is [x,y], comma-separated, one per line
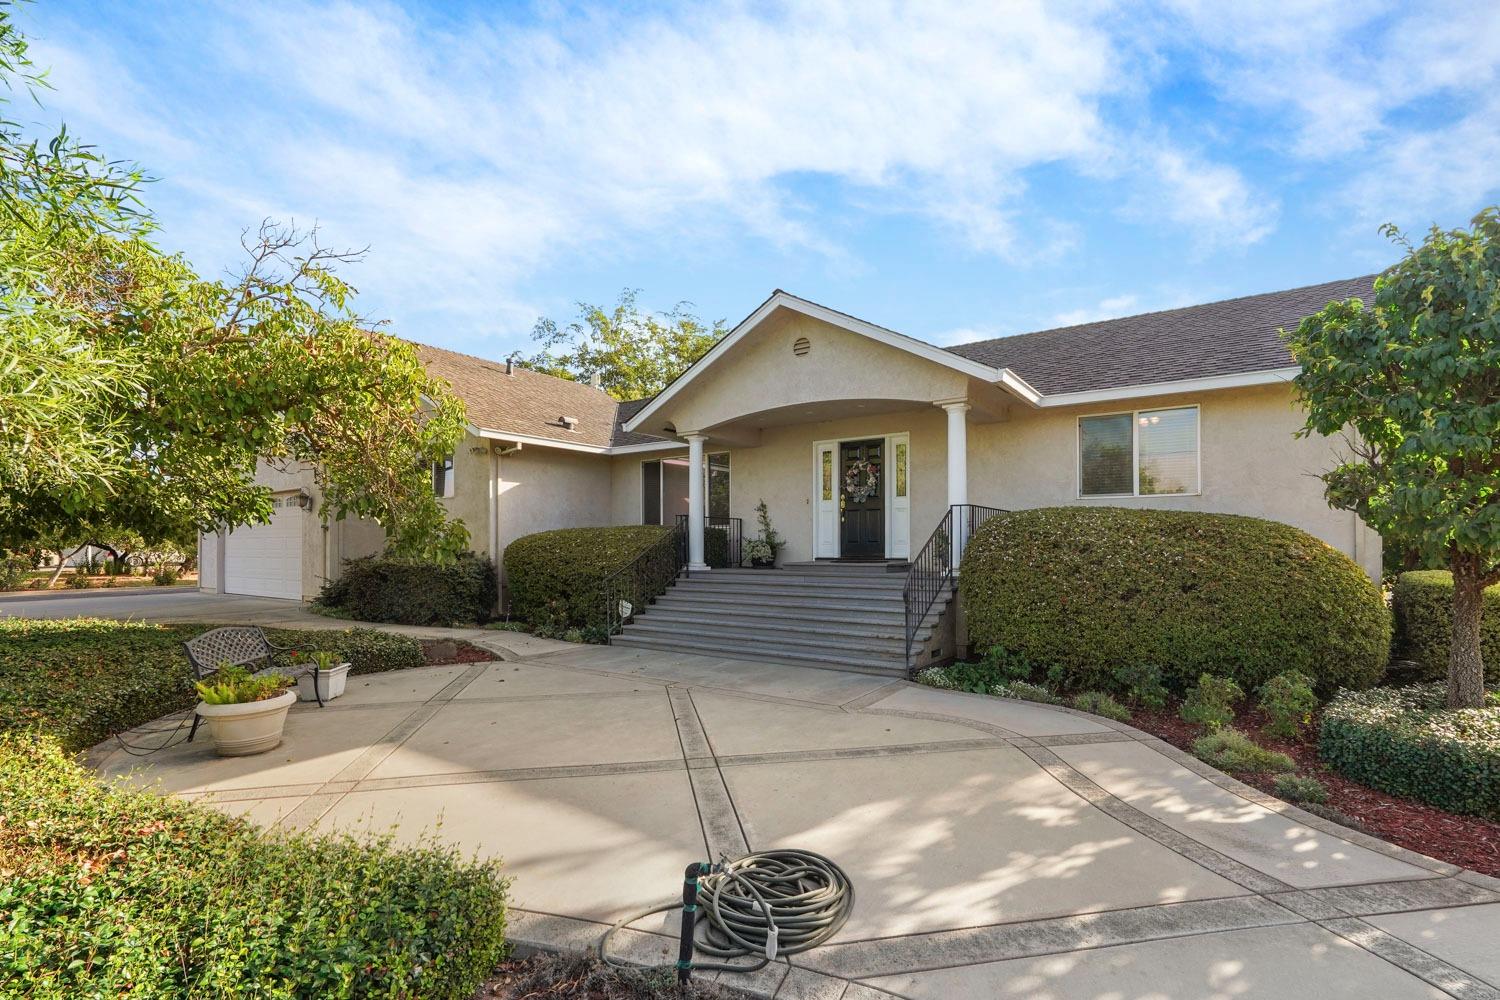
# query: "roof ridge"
[1160,312]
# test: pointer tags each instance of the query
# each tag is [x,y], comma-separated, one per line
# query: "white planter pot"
[330,683]
[249,728]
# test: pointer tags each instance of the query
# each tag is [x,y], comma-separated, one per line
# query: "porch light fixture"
[304,500]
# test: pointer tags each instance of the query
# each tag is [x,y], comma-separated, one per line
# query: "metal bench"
[239,646]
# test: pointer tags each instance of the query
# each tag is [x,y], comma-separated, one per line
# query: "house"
[860,439]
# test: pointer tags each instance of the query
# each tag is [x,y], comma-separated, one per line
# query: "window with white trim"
[664,488]
[1140,453]
[442,478]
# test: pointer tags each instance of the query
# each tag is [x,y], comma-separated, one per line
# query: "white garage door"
[265,560]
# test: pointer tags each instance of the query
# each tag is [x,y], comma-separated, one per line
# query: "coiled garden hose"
[768,904]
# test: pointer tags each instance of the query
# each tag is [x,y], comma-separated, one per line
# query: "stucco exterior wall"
[544,488]
[1250,463]
[470,502]
[838,365]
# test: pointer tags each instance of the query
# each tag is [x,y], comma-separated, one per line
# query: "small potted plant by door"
[326,671]
[761,550]
[245,712]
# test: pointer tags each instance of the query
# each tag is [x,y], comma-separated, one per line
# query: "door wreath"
[861,481]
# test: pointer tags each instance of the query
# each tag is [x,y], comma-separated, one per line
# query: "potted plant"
[762,549]
[245,712]
[328,673]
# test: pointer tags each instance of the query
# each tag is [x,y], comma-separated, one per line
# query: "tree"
[633,354]
[1415,376]
[136,394]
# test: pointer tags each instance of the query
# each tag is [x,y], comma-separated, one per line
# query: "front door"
[862,499]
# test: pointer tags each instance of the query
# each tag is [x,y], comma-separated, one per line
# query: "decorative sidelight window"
[1141,453]
[900,468]
[828,474]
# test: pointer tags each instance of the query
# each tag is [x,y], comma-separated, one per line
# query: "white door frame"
[825,530]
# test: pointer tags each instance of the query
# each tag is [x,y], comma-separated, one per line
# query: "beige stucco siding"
[762,373]
[1251,462]
[545,488]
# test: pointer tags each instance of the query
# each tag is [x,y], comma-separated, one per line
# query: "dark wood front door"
[862,500]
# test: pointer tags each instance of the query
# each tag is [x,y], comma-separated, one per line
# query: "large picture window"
[1142,453]
[664,488]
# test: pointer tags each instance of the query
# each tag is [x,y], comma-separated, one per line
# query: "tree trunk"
[1465,660]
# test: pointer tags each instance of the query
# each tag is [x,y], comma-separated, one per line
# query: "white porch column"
[958,452]
[958,472]
[695,503]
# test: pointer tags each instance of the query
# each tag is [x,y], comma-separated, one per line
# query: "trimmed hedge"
[1423,603]
[83,679]
[555,578]
[414,591]
[1404,741]
[111,892]
[1088,590]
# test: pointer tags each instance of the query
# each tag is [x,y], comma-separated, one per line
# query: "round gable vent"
[801,346]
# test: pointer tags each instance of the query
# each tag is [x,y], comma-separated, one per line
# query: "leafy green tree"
[633,354]
[1414,377]
[136,394]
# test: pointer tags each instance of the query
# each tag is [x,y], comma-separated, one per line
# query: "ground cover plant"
[1404,741]
[109,891]
[83,679]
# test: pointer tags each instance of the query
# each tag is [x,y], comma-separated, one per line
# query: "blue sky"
[954,171]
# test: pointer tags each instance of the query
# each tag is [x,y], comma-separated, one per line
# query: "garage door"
[265,560]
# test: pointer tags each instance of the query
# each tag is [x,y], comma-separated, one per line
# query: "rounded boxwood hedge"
[415,591]
[554,578]
[1423,603]
[1087,590]
[1406,742]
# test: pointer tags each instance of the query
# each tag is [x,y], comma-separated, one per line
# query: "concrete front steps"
[844,616]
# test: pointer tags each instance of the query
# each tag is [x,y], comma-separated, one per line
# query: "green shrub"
[555,579]
[164,577]
[83,679]
[1423,603]
[78,579]
[1008,666]
[109,891]
[1141,684]
[1211,702]
[1288,700]
[716,547]
[1404,741]
[1099,703]
[1300,788]
[1091,589]
[1232,751]
[15,570]
[414,591]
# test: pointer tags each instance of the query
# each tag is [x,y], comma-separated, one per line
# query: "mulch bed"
[438,652]
[578,977]
[1469,841]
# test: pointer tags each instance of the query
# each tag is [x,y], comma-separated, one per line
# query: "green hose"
[768,904]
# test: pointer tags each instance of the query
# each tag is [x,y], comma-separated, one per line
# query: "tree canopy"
[633,354]
[137,394]
[1414,377]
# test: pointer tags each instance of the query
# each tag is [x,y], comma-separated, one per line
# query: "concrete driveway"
[998,849]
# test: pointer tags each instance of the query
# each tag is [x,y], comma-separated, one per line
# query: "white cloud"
[1110,308]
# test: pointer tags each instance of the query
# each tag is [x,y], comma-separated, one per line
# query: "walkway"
[998,849]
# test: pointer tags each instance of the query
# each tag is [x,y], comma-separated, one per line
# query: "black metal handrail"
[722,537]
[933,569]
[642,580]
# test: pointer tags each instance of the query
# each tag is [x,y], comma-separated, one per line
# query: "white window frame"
[661,497]
[1135,454]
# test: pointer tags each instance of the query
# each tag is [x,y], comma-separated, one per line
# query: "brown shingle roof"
[529,402]
[1232,337]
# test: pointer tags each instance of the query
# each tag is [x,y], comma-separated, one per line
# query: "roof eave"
[1237,380]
